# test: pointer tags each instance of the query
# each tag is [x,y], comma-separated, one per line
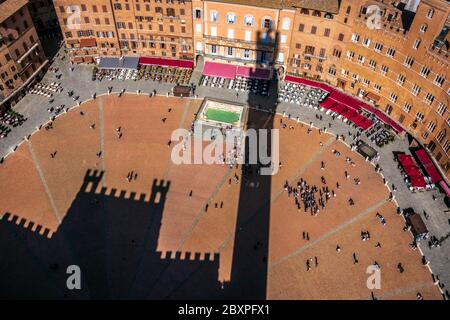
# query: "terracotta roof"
[321,5]
[9,7]
[88,42]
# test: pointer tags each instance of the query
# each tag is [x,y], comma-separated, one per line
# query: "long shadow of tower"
[249,270]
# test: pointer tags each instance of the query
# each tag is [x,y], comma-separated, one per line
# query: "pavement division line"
[164,177]
[328,234]
[279,192]
[44,182]
[299,173]
[202,212]
[180,125]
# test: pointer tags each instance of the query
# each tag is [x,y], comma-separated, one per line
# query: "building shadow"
[113,239]
[249,270]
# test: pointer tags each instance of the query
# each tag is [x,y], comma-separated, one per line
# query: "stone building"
[22,58]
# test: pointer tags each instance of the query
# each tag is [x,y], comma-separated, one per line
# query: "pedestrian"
[338,248]
[355,260]
[190,194]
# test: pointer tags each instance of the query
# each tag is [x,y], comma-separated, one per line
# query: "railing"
[268,43]
[315,56]
[216,56]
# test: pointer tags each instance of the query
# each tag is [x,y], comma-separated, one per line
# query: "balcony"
[311,55]
[245,61]
[262,44]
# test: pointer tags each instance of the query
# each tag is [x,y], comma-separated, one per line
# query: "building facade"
[395,55]
[126,27]
[22,58]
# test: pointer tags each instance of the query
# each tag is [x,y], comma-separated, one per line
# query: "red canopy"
[445,187]
[406,160]
[350,114]
[418,182]
[308,82]
[256,73]
[214,69]
[166,62]
[366,124]
[328,103]
[338,108]
[412,171]
[348,101]
[431,169]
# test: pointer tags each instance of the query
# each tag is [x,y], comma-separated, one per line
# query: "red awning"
[444,186]
[308,82]
[328,103]
[418,182]
[366,124]
[256,73]
[380,115]
[166,62]
[412,171]
[214,69]
[338,108]
[431,169]
[348,101]
[88,42]
[350,114]
[405,160]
